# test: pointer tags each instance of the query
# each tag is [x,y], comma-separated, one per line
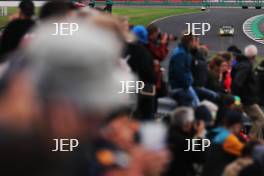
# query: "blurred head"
[26,9]
[188,41]
[113,23]
[234,50]
[249,149]
[202,113]
[183,118]
[124,22]
[119,129]
[225,66]
[55,8]
[251,52]
[77,77]
[204,50]
[141,34]
[153,32]
[233,121]
[227,56]
[215,64]
[213,108]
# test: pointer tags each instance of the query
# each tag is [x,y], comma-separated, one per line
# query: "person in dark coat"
[181,130]
[200,73]
[141,63]
[244,84]
[225,145]
[260,80]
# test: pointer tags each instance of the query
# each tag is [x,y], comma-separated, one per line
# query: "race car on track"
[203,8]
[226,30]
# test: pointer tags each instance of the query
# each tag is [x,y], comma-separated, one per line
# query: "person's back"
[180,75]
[13,35]
[260,80]
[199,69]
[140,62]
[244,82]
[182,161]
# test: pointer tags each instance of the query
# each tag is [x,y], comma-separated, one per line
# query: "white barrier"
[3,11]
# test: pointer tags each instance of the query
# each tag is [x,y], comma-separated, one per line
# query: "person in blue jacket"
[180,73]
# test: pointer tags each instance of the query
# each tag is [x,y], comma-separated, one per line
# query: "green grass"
[136,15]
[4,19]
[143,15]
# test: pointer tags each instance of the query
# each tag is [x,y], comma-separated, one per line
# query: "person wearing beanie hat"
[141,63]
[141,33]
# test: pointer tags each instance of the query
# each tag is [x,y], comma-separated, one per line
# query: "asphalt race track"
[216,17]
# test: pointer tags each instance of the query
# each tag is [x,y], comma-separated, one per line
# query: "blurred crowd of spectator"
[66,87]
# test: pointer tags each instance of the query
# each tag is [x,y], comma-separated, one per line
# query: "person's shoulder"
[233,145]
[178,52]
[244,65]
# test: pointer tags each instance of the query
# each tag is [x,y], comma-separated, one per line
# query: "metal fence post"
[3,11]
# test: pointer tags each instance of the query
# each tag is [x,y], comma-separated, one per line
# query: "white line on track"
[163,18]
[248,31]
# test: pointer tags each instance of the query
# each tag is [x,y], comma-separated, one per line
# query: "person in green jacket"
[109,5]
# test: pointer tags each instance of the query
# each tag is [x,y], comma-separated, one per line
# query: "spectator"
[227,68]
[260,80]
[109,5]
[26,11]
[225,145]
[203,118]
[180,74]
[255,169]
[215,76]
[13,35]
[235,51]
[158,46]
[55,8]
[246,159]
[245,84]
[181,129]
[199,65]
[141,62]
[200,72]
[71,103]
[119,138]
